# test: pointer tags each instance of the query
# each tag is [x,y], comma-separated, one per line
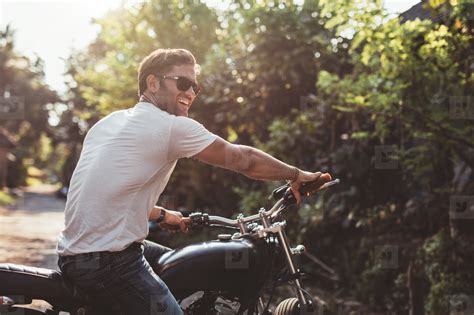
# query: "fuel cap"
[224,237]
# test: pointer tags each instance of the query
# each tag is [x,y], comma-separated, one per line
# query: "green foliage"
[6,199]
[127,36]
[23,78]
[448,272]
[323,86]
[398,94]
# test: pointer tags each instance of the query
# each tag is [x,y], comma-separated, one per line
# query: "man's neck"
[152,100]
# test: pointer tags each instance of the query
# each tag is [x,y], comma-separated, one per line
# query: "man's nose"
[190,92]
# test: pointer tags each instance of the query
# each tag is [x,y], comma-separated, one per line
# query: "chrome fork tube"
[241,224]
[289,258]
[261,306]
[291,265]
[264,218]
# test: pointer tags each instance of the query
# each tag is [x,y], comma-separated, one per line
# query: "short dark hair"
[160,61]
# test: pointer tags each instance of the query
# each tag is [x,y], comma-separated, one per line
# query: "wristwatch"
[162,216]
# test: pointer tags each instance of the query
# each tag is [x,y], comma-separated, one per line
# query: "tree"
[336,86]
[24,99]
[397,145]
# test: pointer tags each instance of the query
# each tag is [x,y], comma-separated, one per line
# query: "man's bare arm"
[155,213]
[253,163]
[246,160]
[172,218]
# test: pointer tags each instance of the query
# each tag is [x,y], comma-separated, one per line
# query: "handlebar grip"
[306,188]
[310,188]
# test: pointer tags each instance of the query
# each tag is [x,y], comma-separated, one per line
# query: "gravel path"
[30,228]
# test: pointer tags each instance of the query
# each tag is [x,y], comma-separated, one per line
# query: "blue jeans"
[121,282]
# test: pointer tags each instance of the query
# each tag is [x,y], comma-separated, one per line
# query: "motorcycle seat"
[28,270]
[33,282]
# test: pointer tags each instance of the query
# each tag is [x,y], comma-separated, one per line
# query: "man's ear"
[152,83]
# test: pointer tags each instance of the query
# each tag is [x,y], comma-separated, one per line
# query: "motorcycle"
[223,276]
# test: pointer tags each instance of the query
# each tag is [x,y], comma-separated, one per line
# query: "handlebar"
[203,219]
[283,194]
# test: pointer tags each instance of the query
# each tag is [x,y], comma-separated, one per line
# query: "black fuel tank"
[235,266]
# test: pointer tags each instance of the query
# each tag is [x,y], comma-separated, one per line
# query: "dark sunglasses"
[183,83]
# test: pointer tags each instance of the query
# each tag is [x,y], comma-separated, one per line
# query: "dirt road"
[29,230]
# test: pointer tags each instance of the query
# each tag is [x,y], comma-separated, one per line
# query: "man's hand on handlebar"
[304,177]
[306,183]
[175,222]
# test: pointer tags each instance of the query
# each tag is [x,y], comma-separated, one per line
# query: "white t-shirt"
[125,164]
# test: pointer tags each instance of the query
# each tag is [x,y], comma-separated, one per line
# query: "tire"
[288,307]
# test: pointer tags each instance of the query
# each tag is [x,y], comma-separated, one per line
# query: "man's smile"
[183,101]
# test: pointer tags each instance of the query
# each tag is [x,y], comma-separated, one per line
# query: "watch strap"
[162,216]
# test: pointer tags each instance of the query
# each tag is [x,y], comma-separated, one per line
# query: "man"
[125,163]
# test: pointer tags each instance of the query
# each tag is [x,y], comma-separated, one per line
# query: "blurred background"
[379,94]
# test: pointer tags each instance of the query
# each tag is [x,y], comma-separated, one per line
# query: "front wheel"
[288,307]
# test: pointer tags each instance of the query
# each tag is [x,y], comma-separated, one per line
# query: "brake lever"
[278,192]
[278,211]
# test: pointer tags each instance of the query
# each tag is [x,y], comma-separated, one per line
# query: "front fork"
[294,273]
